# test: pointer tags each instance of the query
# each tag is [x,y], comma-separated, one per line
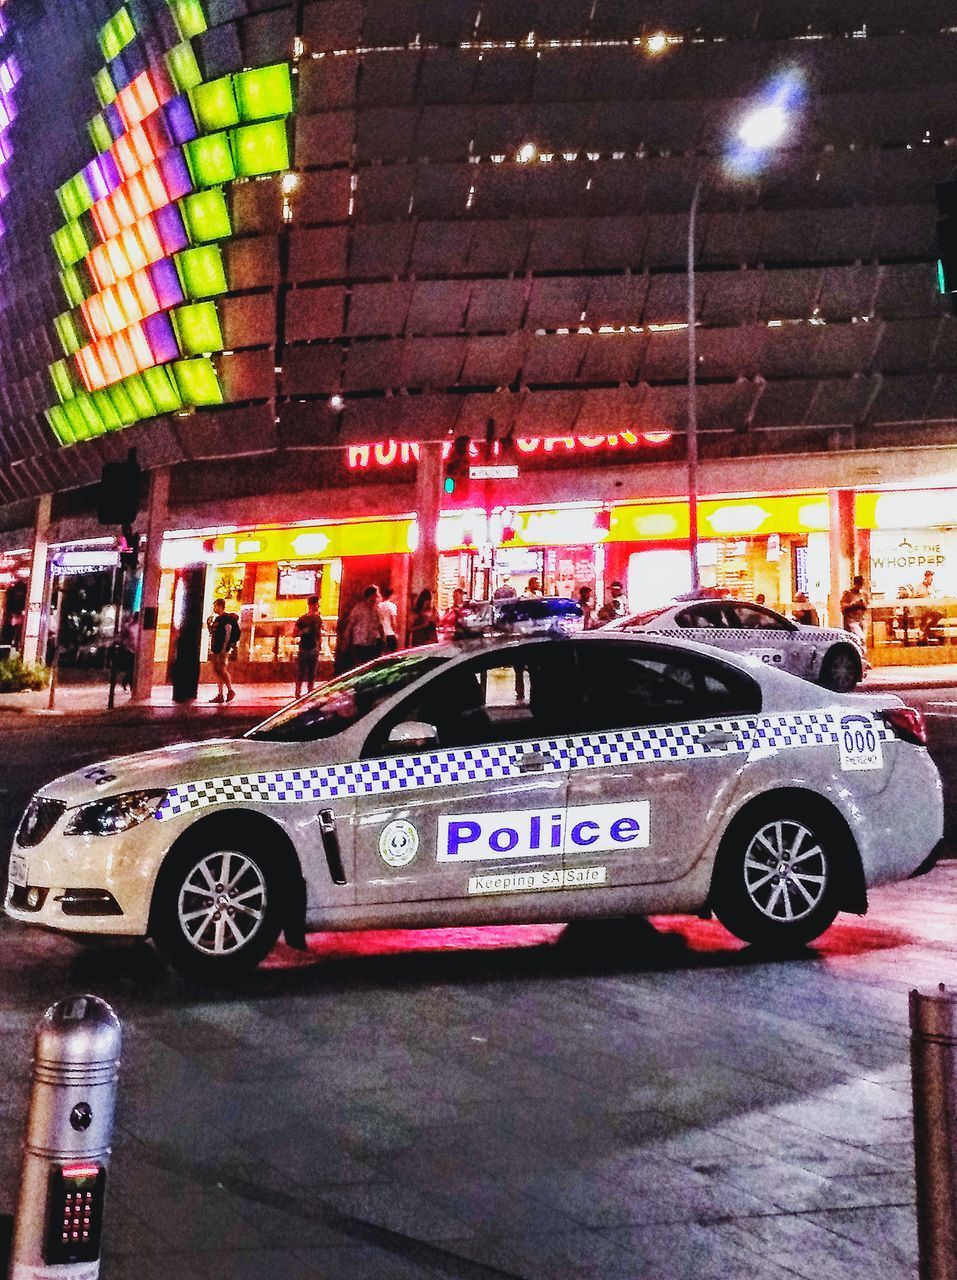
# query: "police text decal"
[536,833]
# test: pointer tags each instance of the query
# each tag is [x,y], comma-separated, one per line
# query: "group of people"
[370,628]
[854,606]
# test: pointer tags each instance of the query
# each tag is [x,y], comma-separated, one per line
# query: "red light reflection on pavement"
[386,942]
[849,936]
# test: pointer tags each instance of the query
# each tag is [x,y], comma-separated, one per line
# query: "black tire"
[841,669]
[216,911]
[755,890]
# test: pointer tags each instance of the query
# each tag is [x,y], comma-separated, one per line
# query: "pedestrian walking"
[362,637]
[423,628]
[389,618]
[587,605]
[126,652]
[223,630]
[308,629]
[854,608]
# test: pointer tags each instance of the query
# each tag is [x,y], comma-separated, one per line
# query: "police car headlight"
[114,814]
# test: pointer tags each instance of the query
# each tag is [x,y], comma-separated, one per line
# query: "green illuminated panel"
[198,382]
[83,417]
[207,217]
[106,410]
[121,404]
[201,272]
[261,148]
[210,160]
[162,390]
[189,17]
[75,197]
[116,34]
[70,244]
[265,92]
[214,104]
[72,286]
[104,86]
[60,424]
[68,331]
[100,134]
[197,328]
[140,398]
[60,372]
[183,66]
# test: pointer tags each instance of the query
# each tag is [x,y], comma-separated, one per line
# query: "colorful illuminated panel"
[139,246]
[9,79]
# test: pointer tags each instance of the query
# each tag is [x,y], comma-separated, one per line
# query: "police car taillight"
[906,723]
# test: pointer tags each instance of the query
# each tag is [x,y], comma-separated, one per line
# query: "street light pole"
[692,432]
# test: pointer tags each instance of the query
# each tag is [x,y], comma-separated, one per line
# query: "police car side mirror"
[414,733]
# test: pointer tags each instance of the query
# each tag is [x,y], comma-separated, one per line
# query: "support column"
[841,548]
[424,572]
[156,518]
[34,623]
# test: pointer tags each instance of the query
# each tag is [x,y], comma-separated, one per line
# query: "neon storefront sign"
[392,453]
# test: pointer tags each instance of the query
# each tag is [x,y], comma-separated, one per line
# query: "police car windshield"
[337,705]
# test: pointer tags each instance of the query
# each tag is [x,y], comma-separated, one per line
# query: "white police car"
[488,780]
[827,655]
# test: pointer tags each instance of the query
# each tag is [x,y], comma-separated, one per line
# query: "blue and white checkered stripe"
[501,762]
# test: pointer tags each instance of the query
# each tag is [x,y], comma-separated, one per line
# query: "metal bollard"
[59,1218]
[933,1021]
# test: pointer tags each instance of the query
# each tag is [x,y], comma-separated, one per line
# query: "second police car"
[496,779]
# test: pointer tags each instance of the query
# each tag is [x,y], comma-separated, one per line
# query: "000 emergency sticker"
[534,833]
[859,743]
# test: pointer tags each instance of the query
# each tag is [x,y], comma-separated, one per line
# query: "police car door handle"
[718,738]
[535,761]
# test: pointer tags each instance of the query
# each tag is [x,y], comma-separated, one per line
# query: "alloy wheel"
[222,903]
[785,871]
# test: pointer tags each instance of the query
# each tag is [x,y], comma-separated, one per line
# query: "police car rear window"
[340,703]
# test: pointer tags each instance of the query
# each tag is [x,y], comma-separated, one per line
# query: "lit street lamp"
[764,127]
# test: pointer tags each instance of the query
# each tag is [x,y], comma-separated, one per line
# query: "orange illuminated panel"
[107,358]
[152,179]
[114,312]
[138,196]
[142,147]
[91,370]
[124,355]
[122,208]
[105,219]
[149,239]
[137,100]
[126,158]
[145,293]
[100,267]
[142,353]
[133,249]
[95,316]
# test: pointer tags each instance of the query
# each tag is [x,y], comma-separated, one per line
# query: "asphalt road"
[614,1100]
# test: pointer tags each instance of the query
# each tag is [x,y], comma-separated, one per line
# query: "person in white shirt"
[389,617]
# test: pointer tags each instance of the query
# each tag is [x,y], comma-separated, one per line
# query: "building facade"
[286,250]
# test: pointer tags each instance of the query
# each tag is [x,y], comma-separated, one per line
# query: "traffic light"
[456,465]
[118,496]
[947,240]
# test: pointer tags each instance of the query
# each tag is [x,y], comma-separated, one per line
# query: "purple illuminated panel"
[165,278]
[114,120]
[102,176]
[175,173]
[169,225]
[160,336]
[179,119]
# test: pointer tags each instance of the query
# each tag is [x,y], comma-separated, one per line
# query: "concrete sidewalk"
[91,699]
